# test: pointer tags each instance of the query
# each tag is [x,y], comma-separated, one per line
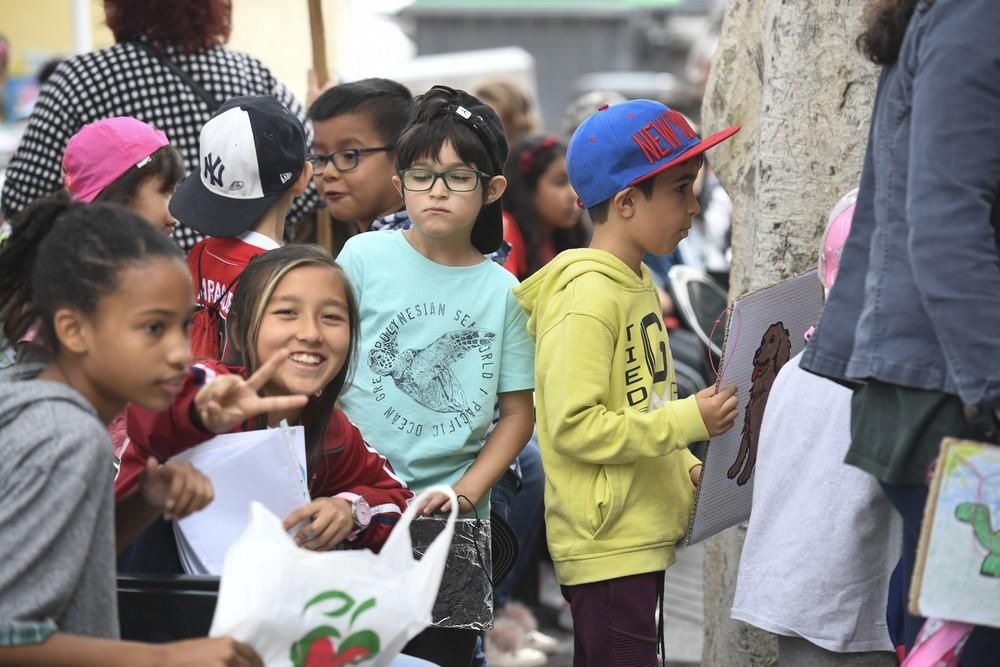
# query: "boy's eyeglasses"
[345,160]
[421,179]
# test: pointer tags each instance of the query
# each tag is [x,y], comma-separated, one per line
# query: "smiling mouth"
[306,359]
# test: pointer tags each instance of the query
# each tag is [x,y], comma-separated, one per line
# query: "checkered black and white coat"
[125,80]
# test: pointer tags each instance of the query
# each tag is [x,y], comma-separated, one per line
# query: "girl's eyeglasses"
[345,160]
[421,179]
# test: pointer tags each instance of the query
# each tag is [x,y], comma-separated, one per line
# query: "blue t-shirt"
[437,344]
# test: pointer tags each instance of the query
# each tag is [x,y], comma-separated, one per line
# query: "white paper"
[266,466]
[723,500]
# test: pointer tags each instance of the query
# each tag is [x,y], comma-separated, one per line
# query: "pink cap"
[838,226]
[101,152]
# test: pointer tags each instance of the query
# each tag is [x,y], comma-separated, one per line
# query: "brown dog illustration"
[775,349]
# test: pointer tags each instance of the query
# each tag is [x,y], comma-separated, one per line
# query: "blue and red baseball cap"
[625,143]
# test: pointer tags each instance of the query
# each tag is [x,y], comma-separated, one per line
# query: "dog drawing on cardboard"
[775,349]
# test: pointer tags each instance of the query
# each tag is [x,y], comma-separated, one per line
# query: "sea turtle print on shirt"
[425,375]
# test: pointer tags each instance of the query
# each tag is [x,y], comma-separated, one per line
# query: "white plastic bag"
[299,608]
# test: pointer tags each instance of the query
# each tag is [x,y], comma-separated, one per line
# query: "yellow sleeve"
[574,358]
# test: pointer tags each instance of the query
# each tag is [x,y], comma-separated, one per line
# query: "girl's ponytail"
[17,258]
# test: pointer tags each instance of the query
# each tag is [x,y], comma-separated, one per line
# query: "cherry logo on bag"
[324,646]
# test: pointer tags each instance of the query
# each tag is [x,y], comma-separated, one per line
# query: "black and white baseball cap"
[249,154]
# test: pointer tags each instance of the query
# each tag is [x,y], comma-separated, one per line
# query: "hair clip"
[526,160]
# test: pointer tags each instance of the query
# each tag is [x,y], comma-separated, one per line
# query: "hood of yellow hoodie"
[535,293]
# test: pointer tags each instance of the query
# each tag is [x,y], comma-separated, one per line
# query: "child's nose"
[307,330]
[440,188]
[179,355]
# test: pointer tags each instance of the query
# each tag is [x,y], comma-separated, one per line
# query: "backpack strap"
[210,101]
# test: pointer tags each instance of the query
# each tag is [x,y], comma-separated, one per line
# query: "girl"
[117,160]
[541,218]
[441,335]
[117,332]
[297,299]
[124,161]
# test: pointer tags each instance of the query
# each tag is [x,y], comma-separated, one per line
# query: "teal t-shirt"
[437,344]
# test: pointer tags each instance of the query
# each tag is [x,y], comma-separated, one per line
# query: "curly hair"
[188,25]
[885,27]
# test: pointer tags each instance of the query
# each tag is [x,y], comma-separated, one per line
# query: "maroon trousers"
[614,621]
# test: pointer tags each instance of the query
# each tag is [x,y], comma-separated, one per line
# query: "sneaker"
[522,615]
[522,657]
[505,647]
[541,642]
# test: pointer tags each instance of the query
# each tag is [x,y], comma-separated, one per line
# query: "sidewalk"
[683,607]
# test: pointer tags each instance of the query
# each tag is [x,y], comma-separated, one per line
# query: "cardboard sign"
[766,328]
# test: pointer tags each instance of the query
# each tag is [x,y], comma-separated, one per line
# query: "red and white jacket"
[348,464]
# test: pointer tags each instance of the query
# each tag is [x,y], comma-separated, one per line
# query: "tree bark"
[789,73]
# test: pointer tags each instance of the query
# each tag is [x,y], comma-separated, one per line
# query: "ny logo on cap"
[213,170]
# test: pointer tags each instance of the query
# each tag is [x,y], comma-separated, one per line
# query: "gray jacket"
[917,297]
[57,561]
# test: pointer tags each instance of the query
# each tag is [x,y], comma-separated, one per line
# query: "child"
[826,605]
[619,478]
[357,126]
[253,164]
[541,217]
[297,299]
[124,161]
[441,335]
[118,332]
[118,160]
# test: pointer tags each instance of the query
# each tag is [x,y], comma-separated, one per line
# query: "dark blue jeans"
[522,508]
[524,512]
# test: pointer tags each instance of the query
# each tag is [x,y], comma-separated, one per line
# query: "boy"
[619,478]
[357,126]
[442,339]
[252,154]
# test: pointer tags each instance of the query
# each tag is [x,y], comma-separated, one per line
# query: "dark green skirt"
[896,431]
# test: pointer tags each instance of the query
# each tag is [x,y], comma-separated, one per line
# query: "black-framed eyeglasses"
[421,179]
[344,160]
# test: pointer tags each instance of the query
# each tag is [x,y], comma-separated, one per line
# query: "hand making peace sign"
[229,400]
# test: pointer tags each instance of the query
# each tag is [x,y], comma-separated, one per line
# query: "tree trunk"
[789,73]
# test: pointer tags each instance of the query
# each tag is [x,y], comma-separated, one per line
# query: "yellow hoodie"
[614,438]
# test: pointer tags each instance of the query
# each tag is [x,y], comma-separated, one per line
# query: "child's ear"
[72,330]
[497,186]
[624,203]
[302,182]
[398,184]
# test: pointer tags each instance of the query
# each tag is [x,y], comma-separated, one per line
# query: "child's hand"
[330,521]
[229,400]
[718,410]
[695,473]
[439,502]
[176,488]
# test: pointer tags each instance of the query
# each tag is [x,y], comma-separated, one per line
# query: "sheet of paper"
[957,574]
[264,466]
[766,328]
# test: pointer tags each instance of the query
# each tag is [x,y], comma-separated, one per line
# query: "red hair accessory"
[526,160]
